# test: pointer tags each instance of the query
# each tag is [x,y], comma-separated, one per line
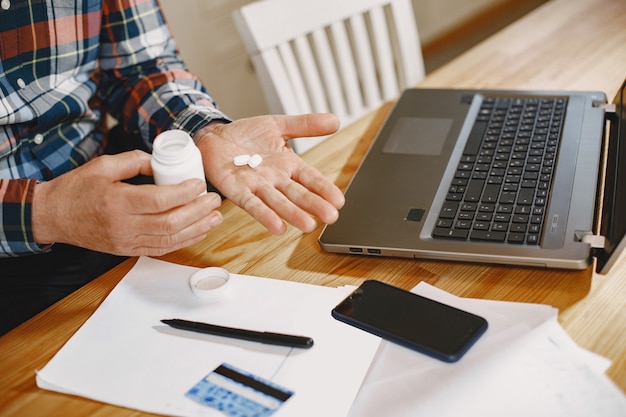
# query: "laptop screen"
[613,222]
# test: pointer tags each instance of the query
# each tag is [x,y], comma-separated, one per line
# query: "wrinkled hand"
[90,207]
[283,186]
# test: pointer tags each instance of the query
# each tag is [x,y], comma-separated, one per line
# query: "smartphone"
[410,320]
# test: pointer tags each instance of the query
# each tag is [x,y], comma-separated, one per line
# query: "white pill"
[255,160]
[241,160]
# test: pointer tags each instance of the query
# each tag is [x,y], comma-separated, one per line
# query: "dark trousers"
[30,284]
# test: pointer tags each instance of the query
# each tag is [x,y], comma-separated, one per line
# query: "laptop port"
[374,251]
[356,250]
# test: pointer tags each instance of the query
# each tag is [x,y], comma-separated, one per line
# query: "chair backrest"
[346,57]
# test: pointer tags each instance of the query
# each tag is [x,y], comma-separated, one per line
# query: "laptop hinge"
[595,241]
[607,107]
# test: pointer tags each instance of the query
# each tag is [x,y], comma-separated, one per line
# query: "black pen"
[251,335]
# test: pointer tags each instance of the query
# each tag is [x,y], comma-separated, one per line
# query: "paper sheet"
[524,365]
[123,355]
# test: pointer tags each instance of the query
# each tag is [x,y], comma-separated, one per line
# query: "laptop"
[526,178]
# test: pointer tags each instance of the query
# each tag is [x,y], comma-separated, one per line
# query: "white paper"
[125,356]
[524,365]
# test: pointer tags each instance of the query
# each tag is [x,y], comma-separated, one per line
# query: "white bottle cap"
[210,283]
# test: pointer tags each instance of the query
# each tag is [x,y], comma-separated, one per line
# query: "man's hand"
[283,186]
[90,207]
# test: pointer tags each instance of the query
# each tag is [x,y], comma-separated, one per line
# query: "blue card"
[238,394]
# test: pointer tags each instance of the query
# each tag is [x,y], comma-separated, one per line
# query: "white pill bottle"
[175,158]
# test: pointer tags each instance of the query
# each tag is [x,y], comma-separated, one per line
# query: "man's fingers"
[270,206]
[173,221]
[257,208]
[125,165]
[159,199]
[151,243]
[313,180]
[319,124]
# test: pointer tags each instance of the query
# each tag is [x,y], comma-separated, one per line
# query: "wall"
[211,47]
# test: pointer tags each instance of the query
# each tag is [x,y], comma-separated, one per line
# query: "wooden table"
[565,44]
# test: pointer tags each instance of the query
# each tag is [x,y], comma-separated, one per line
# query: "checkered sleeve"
[16,235]
[145,84]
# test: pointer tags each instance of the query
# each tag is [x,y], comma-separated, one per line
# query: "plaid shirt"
[63,66]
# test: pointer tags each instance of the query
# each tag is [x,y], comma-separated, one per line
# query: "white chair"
[346,57]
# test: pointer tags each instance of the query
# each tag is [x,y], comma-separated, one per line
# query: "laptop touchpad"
[418,136]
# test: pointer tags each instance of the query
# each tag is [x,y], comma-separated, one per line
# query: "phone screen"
[413,321]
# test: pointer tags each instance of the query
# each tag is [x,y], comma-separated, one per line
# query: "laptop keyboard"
[500,189]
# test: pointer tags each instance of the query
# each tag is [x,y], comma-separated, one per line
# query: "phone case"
[449,334]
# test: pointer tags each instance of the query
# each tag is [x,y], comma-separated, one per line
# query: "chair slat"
[329,73]
[280,97]
[347,68]
[295,79]
[311,76]
[365,59]
[411,61]
[384,54]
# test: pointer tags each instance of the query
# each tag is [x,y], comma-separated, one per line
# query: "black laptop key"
[448,211]
[526,196]
[474,190]
[516,237]
[450,233]
[508,197]
[475,138]
[488,235]
[491,193]
[444,223]
[532,239]
[503,103]
[481,225]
